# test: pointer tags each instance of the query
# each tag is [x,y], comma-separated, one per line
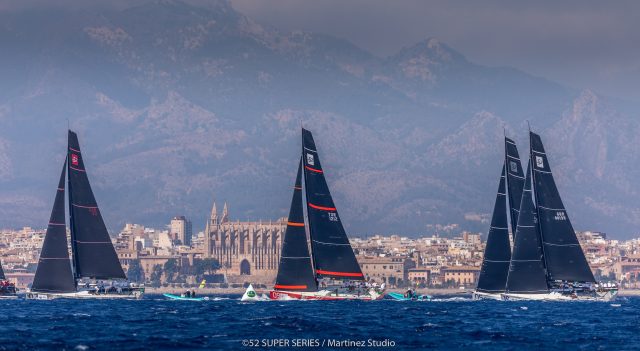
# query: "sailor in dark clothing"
[193,293]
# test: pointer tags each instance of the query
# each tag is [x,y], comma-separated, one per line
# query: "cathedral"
[247,251]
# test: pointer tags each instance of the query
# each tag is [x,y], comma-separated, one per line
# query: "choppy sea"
[154,323]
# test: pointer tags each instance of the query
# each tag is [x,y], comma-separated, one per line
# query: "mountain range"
[177,106]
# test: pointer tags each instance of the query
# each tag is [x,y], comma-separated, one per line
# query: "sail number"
[310,160]
[560,216]
[333,217]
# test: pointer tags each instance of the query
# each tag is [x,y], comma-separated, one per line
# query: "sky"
[580,43]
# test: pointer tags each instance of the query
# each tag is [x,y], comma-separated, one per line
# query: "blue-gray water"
[155,323]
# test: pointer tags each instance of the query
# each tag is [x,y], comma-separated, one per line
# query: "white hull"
[477,295]
[371,295]
[604,296]
[81,295]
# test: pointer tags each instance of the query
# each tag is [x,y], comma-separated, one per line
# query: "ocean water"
[226,323]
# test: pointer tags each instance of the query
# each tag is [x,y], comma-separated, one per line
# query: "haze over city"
[179,104]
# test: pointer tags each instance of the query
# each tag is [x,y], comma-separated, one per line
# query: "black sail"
[53,273]
[526,271]
[564,257]
[2,277]
[333,256]
[497,253]
[93,253]
[295,271]
[515,181]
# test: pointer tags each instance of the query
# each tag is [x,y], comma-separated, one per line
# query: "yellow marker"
[204,281]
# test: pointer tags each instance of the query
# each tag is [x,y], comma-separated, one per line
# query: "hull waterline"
[324,295]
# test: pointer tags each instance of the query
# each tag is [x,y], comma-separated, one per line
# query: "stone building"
[247,251]
[390,270]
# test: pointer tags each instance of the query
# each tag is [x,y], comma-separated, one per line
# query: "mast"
[497,253]
[526,270]
[515,181]
[564,258]
[295,271]
[333,256]
[93,253]
[53,273]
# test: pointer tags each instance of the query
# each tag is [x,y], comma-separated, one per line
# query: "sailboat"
[93,257]
[317,271]
[548,262]
[7,289]
[497,254]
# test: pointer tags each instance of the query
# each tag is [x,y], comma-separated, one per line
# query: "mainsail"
[497,253]
[564,257]
[295,271]
[53,273]
[526,271]
[333,256]
[93,253]
[515,181]
[2,277]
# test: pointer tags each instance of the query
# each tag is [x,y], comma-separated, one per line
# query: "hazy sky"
[583,43]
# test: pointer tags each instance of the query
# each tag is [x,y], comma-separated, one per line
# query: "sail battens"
[336,244]
[314,169]
[497,253]
[551,209]
[526,269]
[93,253]
[566,245]
[329,242]
[340,274]
[295,268]
[563,255]
[322,208]
[77,169]
[83,206]
[541,171]
[54,265]
[515,181]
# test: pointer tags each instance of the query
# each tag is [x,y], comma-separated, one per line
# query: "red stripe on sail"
[321,207]
[313,169]
[340,274]
[291,287]
[295,224]
[297,187]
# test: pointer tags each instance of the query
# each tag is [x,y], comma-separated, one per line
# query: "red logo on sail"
[93,211]
[74,159]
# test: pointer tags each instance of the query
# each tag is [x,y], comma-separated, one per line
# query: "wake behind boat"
[93,271]
[329,269]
